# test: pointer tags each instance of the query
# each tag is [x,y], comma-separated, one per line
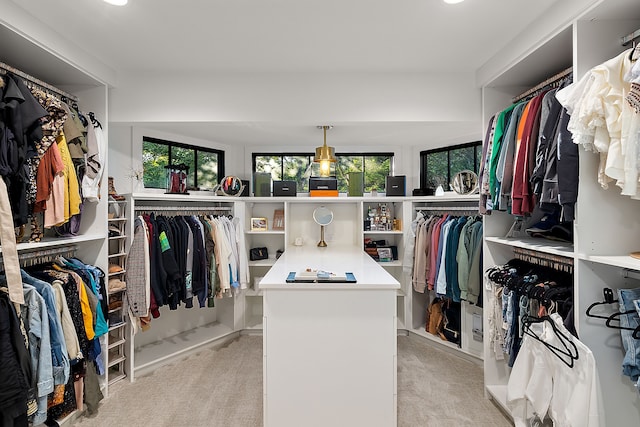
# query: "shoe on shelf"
[112,190]
[116,285]
[545,224]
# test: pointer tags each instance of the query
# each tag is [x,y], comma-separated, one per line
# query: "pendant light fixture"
[325,155]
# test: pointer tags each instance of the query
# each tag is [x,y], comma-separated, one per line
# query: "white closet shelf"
[159,351]
[265,232]
[367,232]
[116,343]
[252,292]
[117,273]
[50,242]
[116,326]
[117,378]
[117,360]
[499,395]
[121,254]
[263,262]
[425,334]
[396,263]
[117,219]
[540,245]
[624,261]
[117,237]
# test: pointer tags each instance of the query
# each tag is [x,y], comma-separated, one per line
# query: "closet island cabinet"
[606,228]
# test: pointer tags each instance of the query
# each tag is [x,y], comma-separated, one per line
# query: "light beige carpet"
[224,388]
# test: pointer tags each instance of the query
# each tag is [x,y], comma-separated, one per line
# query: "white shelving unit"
[419,302]
[117,348]
[43,63]
[177,332]
[607,227]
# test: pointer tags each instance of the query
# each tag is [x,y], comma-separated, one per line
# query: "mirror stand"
[322,243]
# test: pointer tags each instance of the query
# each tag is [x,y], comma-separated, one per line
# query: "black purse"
[256,254]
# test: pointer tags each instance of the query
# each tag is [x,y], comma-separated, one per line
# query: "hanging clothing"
[541,385]
[601,121]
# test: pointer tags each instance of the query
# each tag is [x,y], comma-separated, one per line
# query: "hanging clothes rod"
[631,37]
[448,208]
[549,81]
[557,262]
[36,81]
[183,208]
[42,256]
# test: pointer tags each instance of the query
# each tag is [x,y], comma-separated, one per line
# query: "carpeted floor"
[224,388]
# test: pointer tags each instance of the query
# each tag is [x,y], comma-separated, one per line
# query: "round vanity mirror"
[230,186]
[465,182]
[322,216]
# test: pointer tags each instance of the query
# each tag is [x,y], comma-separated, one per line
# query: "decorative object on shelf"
[278,219]
[323,186]
[322,216]
[177,178]
[229,186]
[285,189]
[356,184]
[259,224]
[439,191]
[279,253]
[396,185]
[465,182]
[137,178]
[423,191]
[325,155]
[384,254]
[262,184]
[257,254]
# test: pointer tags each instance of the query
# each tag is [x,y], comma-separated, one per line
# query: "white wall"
[298,98]
[295,97]
[125,152]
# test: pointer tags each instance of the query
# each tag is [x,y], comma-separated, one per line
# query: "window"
[437,167]
[206,165]
[299,167]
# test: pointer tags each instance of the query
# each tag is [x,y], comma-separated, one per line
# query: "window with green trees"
[299,167]
[437,167]
[206,165]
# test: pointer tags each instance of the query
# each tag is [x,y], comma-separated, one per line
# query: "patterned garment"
[51,127]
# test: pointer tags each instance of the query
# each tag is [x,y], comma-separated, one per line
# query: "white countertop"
[336,259]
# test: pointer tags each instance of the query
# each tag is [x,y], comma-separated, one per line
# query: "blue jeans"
[631,362]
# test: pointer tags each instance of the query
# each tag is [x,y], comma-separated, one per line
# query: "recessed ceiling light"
[117,2]
[453,1]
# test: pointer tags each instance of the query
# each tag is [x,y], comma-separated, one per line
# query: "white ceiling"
[295,36]
[291,35]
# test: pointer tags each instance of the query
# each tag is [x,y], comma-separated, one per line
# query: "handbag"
[256,254]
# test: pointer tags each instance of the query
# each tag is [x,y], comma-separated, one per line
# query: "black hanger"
[616,317]
[608,299]
[568,354]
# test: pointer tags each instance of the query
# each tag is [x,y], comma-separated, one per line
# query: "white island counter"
[330,348]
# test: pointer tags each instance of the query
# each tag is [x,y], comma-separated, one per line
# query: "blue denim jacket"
[59,353]
[95,274]
[39,348]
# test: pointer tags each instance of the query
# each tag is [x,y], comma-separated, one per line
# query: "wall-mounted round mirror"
[465,182]
[322,216]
